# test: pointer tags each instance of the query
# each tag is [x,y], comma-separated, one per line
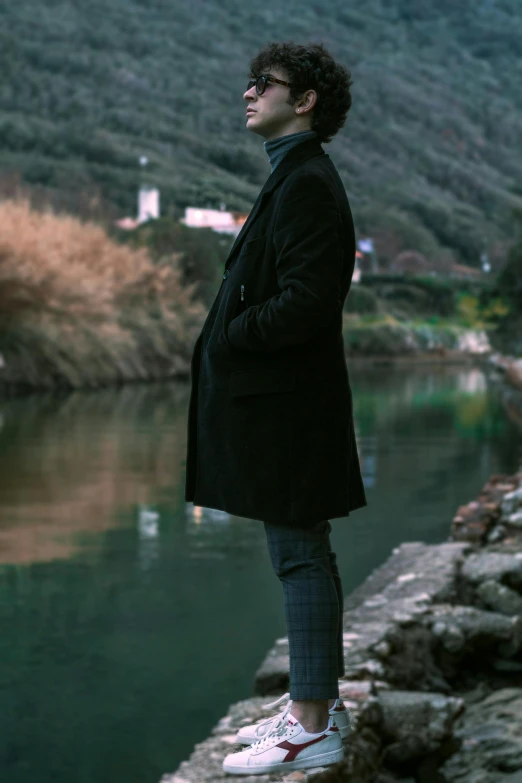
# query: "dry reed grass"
[77,309]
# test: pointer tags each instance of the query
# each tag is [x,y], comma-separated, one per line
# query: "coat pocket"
[261,381]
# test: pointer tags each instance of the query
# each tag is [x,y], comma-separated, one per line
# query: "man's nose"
[251,92]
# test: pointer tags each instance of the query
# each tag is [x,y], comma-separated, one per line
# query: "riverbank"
[394,338]
[147,359]
[505,375]
[79,310]
[433,646]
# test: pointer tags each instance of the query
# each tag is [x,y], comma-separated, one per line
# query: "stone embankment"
[433,650]
[394,339]
[505,372]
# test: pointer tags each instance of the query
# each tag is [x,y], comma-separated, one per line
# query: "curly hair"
[311,67]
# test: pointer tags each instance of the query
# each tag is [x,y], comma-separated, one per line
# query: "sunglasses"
[262,81]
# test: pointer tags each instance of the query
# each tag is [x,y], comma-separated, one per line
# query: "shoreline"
[433,647]
[146,358]
[504,373]
[448,358]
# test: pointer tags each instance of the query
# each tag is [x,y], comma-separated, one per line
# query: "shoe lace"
[262,726]
[276,729]
[276,702]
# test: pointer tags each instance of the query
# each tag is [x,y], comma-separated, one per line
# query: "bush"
[77,309]
[395,231]
[407,301]
[509,282]
[201,252]
[361,300]
[391,338]
[379,339]
[426,295]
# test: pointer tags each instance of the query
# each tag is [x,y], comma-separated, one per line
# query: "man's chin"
[255,128]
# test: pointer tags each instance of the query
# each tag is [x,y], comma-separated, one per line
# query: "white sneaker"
[247,735]
[287,746]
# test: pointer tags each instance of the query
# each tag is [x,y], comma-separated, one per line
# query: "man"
[270,433]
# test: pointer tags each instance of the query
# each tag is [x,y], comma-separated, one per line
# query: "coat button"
[225,275]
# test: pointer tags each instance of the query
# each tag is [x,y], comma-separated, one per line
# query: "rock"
[473,522]
[450,636]
[514,520]
[512,502]
[500,598]
[416,724]
[496,534]
[431,570]
[430,620]
[473,341]
[465,629]
[374,668]
[504,568]
[491,739]
[382,649]
[387,639]
[505,665]
[273,674]
[356,691]
[173,779]
[369,715]
[513,373]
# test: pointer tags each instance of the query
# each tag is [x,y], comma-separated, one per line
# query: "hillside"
[430,155]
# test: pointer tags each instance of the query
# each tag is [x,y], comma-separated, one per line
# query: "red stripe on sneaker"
[295,748]
[339,709]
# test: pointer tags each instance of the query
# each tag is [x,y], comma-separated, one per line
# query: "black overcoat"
[270,428]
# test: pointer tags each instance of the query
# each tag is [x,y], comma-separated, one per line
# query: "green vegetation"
[430,300]
[430,155]
[508,336]
[394,316]
[389,337]
[201,252]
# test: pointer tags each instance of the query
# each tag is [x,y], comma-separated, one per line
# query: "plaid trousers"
[313,597]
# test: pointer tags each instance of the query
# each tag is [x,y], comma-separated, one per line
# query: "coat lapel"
[296,156]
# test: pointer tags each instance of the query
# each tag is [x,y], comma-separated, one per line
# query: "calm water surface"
[129,620]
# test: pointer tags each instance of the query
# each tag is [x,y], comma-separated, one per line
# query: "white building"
[217,219]
[148,208]
[148,203]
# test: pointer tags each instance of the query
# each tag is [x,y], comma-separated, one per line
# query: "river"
[129,620]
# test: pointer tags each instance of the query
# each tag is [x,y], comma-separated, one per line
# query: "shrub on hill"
[77,309]
[508,336]
[201,252]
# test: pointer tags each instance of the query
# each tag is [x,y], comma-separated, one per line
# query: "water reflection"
[119,601]
[205,529]
[148,530]
[71,464]
[471,381]
[415,428]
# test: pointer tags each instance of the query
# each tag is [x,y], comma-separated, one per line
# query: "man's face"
[270,115]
